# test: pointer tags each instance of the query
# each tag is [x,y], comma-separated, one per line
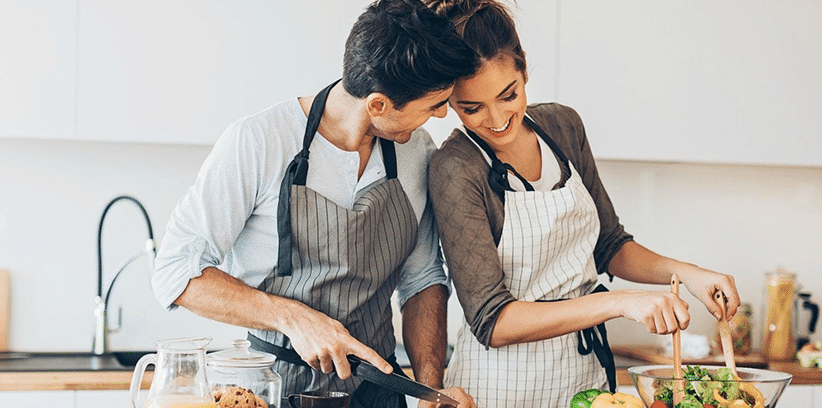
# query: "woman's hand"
[703,283]
[660,312]
[457,393]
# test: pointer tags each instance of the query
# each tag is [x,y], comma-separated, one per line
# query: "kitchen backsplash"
[742,220]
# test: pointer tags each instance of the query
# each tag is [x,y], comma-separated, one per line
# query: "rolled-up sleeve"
[468,242]
[423,267]
[210,216]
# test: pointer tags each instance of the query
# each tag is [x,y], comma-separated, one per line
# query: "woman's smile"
[504,130]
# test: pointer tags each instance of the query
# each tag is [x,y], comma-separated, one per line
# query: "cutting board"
[656,355]
[4,309]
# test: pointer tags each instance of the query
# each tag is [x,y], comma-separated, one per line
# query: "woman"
[526,226]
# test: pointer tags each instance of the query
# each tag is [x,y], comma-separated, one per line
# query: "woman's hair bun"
[458,11]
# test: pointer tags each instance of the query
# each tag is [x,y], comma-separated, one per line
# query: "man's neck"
[344,123]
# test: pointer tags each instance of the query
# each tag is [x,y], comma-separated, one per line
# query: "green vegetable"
[583,399]
[705,388]
[664,393]
[689,401]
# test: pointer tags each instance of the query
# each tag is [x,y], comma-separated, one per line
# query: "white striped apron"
[344,263]
[546,250]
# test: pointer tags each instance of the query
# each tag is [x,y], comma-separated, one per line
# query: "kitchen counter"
[70,380]
[119,378]
[53,371]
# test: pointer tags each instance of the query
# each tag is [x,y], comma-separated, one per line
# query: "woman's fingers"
[660,312]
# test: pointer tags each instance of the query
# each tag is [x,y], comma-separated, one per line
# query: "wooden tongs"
[679,381]
[725,334]
[728,353]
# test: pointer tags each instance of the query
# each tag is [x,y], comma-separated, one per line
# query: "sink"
[130,358]
[69,361]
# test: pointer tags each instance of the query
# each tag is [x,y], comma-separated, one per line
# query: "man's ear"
[377,104]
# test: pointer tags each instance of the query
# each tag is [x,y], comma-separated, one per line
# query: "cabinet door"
[730,82]
[37,67]
[797,396]
[180,71]
[106,399]
[51,399]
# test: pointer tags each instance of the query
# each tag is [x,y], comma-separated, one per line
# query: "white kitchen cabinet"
[51,399]
[799,396]
[729,82]
[37,68]
[104,399]
[180,71]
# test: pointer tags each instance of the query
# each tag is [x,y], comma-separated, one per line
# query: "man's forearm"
[424,332]
[219,296]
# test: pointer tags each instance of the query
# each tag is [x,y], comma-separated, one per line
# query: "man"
[306,250]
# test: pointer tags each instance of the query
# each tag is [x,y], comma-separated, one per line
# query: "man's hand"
[325,344]
[465,400]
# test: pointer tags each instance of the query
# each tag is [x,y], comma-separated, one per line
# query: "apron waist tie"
[589,341]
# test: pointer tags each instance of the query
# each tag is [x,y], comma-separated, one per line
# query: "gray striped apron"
[343,262]
[546,251]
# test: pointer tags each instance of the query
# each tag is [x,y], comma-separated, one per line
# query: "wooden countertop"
[121,380]
[70,380]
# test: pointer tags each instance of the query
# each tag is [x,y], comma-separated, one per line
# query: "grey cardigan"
[470,214]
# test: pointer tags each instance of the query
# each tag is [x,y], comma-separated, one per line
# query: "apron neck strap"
[498,175]
[315,114]
[550,142]
[297,173]
[389,158]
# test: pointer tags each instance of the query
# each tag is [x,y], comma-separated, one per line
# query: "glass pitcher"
[179,376]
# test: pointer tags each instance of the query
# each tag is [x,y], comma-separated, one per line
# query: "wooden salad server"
[679,382]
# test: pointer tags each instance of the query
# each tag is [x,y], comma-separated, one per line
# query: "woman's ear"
[377,104]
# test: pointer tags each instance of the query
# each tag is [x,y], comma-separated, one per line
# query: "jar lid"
[241,356]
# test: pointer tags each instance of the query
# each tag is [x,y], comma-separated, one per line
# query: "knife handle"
[354,362]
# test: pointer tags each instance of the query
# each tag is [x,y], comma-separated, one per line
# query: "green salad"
[703,388]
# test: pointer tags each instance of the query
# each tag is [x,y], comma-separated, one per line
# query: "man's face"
[397,125]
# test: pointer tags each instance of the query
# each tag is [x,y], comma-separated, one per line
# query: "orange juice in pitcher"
[181,401]
[179,376]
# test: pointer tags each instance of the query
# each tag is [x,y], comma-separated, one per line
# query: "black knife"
[397,383]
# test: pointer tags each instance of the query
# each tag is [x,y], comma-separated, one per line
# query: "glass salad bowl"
[710,386]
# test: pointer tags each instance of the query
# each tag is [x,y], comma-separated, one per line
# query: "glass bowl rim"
[777,376]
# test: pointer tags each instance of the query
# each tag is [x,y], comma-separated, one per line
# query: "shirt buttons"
[352,162]
[200,247]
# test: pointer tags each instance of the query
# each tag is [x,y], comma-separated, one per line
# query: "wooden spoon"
[725,334]
[679,382]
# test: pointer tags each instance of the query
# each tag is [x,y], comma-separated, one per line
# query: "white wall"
[53,194]
[742,220]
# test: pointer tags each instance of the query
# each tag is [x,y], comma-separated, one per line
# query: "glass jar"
[740,326]
[242,377]
[778,342]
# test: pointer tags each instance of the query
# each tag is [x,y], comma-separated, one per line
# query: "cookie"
[237,397]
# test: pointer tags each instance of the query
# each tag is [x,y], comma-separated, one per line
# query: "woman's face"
[492,103]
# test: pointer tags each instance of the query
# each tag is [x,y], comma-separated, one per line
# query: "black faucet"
[101,330]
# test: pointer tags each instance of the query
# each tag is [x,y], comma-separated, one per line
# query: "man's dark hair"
[400,48]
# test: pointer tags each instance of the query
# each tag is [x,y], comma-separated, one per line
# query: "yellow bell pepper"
[759,399]
[617,400]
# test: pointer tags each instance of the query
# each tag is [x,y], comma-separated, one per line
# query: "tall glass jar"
[244,377]
[778,341]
